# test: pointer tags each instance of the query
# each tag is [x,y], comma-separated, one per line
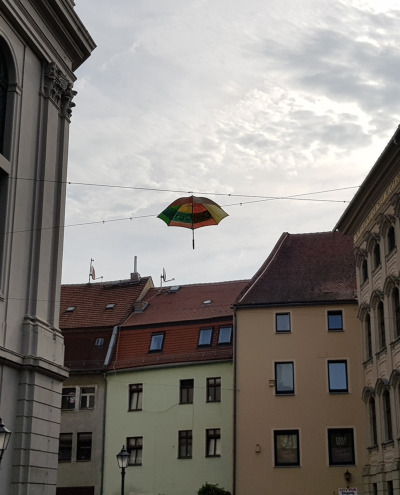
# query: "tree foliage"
[208,489]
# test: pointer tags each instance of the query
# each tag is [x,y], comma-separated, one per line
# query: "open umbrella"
[192,213]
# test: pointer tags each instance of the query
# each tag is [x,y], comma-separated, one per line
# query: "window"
[337,373]
[396,311]
[374,488]
[65,447]
[390,487]
[335,320]
[284,378]
[84,447]
[213,442]
[341,446]
[157,342]
[282,322]
[372,421]
[364,271]
[214,389]
[391,239]
[368,336]
[3,211]
[225,335]
[68,398]
[185,444]
[381,325]
[87,398]
[99,342]
[134,445]
[377,255]
[3,98]
[286,448]
[205,337]
[186,391]
[387,412]
[135,396]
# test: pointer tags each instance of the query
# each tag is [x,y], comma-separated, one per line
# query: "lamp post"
[5,435]
[122,459]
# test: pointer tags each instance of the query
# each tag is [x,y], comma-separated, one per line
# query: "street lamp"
[122,459]
[5,435]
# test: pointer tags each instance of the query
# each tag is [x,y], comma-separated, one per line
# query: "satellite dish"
[163,277]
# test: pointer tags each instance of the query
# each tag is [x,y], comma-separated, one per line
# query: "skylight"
[174,288]
[70,309]
[110,306]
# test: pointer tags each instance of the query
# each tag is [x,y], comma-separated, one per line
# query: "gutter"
[234,399]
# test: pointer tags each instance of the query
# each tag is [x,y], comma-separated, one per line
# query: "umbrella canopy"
[192,213]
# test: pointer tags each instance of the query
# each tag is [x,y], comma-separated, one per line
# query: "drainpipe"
[234,396]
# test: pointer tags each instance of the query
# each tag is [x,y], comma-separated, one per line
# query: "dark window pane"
[286,443]
[282,322]
[225,335]
[337,371]
[205,337]
[341,446]
[84,447]
[284,378]
[335,320]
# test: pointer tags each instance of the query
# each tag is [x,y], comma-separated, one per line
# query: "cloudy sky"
[275,109]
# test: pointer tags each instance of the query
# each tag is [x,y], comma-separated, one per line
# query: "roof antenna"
[163,277]
[92,272]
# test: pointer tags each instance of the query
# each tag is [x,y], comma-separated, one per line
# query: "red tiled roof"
[188,303]
[90,302]
[180,345]
[180,314]
[305,268]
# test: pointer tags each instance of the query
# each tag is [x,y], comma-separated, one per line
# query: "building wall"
[82,419]
[378,293]
[39,48]
[159,421]
[311,410]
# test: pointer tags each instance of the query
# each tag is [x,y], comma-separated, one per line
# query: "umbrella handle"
[193,238]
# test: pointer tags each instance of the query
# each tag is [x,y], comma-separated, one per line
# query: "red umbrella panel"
[192,213]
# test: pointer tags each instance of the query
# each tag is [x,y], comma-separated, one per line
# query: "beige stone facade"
[373,219]
[298,411]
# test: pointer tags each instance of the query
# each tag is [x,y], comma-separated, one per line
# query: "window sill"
[285,467]
[369,361]
[381,352]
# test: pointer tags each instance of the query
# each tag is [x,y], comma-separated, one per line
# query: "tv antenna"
[92,272]
[163,277]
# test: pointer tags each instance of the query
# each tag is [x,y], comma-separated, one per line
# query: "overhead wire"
[255,199]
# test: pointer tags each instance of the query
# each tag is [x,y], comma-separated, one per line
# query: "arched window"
[391,239]
[3,97]
[372,422]
[368,336]
[364,270]
[377,255]
[387,414]
[380,320]
[396,311]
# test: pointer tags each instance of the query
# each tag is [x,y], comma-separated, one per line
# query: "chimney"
[135,276]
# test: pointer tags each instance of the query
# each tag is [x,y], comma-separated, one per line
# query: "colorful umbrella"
[192,213]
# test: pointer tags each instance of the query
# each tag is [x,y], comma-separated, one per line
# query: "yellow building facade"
[299,416]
